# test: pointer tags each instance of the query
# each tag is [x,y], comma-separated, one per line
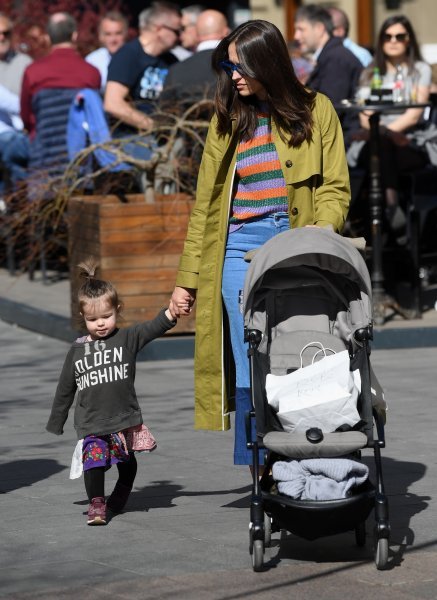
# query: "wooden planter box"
[137,246]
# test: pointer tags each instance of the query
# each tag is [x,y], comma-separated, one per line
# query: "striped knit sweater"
[261,188]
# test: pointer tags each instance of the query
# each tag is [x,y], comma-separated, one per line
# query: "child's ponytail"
[94,288]
[88,268]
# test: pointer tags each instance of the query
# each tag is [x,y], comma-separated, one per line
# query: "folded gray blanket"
[319,478]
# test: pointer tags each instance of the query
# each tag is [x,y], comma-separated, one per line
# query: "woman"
[274,158]
[397,51]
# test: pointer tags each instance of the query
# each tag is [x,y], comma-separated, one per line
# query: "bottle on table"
[375,85]
[399,86]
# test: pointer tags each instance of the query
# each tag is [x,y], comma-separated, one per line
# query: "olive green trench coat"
[317,179]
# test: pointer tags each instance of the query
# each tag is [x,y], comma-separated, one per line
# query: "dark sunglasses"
[175,31]
[6,32]
[229,68]
[398,37]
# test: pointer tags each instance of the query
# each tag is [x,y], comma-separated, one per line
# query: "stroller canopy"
[309,256]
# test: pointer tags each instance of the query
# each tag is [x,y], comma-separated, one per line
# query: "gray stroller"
[304,285]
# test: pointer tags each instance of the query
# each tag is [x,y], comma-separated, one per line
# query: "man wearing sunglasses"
[137,72]
[12,63]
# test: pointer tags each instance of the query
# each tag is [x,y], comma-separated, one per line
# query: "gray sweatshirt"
[102,373]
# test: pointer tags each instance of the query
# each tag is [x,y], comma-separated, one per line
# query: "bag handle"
[321,349]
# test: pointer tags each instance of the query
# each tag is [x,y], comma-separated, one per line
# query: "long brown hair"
[263,55]
[412,51]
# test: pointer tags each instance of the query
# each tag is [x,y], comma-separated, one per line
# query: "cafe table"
[381,300]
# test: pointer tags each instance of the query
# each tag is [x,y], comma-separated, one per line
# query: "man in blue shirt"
[341,24]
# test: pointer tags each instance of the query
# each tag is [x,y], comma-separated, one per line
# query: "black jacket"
[190,80]
[337,71]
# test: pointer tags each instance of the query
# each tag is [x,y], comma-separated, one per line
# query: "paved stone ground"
[184,532]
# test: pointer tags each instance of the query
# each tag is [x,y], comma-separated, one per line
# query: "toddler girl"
[100,370]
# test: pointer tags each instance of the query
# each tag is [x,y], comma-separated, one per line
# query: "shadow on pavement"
[403,506]
[22,473]
[161,494]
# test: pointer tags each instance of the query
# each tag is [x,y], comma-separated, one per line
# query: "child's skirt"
[107,450]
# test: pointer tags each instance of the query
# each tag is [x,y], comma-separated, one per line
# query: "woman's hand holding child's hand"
[182,301]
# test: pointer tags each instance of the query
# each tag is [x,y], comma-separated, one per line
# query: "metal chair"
[420,193]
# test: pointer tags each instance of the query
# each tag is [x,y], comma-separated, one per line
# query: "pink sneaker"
[97,512]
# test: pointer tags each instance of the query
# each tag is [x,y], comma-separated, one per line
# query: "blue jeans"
[250,236]
[14,152]
[140,147]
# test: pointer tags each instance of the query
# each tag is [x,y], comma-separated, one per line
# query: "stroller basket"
[312,519]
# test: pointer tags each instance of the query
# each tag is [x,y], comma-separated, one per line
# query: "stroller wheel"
[360,534]
[257,555]
[381,553]
[267,530]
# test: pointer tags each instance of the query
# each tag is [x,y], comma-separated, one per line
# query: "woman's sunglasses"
[397,37]
[229,68]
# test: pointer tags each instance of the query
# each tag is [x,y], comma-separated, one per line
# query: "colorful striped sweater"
[261,188]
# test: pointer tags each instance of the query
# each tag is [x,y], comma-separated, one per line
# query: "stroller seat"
[286,349]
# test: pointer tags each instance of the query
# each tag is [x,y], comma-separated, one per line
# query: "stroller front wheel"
[257,555]
[381,553]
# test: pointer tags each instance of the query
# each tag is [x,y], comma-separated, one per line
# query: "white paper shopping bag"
[323,394]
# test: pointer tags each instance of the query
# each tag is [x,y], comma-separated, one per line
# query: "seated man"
[188,38]
[62,67]
[12,63]
[49,84]
[341,30]
[194,79]
[337,70]
[14,150]
[113,28]
[137,72]
[14,143]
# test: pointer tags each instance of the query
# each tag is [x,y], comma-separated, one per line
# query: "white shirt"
[207,45]
[181,53]
[100,59]
[10,103]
